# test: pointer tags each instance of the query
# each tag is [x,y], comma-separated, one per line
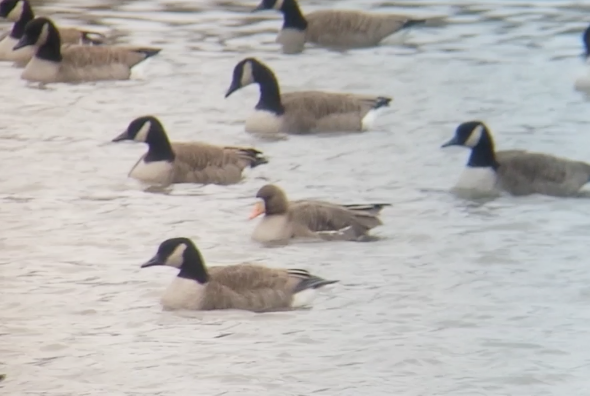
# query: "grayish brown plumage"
[243,286]
[517,172]
[336,29]
[53,62]
[302,112]
[167,163]
[21,13]
[285,219]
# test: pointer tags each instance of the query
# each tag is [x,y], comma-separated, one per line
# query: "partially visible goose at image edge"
[582,83]
[335,29]
[21,13]
[167,163]
[284,219]
[242,286]
[302,112]
[517,172]
[54,63]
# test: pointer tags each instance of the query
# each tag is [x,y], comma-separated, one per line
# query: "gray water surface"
[456,298]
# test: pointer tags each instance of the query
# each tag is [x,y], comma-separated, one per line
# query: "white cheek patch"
[16,12]
[143,132]
[474,136]
[176,258]
[278,4]
[247,77]
[44,34]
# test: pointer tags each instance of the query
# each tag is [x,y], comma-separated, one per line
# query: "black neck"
[292,16]
[160,148]
[18,29]
[51,50]
[193,267]
[270,93]
[483,155]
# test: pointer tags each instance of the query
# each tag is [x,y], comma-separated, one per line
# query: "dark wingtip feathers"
[256,156]
[313,283]
[413,22]
[149,52]
[376,207]
[382,101]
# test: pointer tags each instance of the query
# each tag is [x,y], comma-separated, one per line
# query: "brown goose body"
[202,163]
[168,163]
[53,62]
[85,63]
[303,112]
[517,172]
[21,13]
[335,29]
[525,173]
[284,220]
[243,286]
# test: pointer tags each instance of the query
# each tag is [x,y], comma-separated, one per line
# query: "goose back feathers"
[53,62]
[302,112]
[21,13]
[167,163]
[517,172]
[243,286]
[284,220]
[336,29]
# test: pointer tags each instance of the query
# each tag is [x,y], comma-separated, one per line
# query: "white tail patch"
[139,71]
[368,121]
[304,298]
[483,180]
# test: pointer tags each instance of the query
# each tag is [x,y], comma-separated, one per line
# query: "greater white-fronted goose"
[243,286]
[21,13]
[303,112]
[53,62]
[284,220]
[167,163]
[335,29]
[517,172]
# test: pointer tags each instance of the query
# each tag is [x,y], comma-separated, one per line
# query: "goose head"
[144,129]
[13,9]
[469,134]
[180,253]
[38,32]
[273,201]
[247,71]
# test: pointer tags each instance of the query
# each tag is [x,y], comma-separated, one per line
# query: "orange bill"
[257,210]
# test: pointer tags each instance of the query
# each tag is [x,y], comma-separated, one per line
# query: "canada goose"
[166,163]
[302,112]
[516,171]
[75,63]
[334,29]
[284,220]
[20,12]
[243,286]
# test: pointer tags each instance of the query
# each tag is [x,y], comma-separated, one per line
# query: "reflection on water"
[455,298]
